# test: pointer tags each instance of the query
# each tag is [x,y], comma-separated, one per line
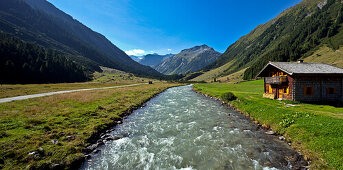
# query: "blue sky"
[168,26]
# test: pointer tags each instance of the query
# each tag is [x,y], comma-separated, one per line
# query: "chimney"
[300,61]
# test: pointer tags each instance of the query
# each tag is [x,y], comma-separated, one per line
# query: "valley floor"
[314,130]
[106,79]
[41,132]
[9,99]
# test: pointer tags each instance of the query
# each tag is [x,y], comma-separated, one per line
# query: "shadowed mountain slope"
[39,22]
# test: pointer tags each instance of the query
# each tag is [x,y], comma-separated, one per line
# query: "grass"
[327,55]
[214,73]
[29,126]
[9,90]
[109,77]
[314,130]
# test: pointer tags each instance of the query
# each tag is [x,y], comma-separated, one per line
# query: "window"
[308,91]
[270,89]
[286,90]
[330,91]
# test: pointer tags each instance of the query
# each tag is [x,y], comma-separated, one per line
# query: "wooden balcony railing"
[276,80]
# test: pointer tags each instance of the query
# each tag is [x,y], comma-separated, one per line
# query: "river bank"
[183,129]
[55,131]
[314,130]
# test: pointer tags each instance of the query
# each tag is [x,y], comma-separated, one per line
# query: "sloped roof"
[304,68]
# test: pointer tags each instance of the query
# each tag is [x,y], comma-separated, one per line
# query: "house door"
[280,93]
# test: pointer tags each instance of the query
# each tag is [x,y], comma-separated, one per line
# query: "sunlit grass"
[27,125]
[315,130]
[106,79]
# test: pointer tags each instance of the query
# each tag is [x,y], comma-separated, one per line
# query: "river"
[180,129]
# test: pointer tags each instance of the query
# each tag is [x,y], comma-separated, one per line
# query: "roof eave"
[276,66]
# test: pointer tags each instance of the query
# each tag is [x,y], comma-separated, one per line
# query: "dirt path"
[4,100]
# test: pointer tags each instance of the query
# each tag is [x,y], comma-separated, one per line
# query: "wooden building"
[304,82]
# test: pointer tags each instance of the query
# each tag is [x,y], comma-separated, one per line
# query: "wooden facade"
[280,83]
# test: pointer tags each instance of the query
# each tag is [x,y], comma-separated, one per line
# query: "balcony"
[276,80]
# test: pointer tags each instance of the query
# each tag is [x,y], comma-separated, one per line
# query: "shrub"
[228,96]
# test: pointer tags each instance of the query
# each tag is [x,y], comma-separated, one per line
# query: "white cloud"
[129,53]
[135,52]
[139,51]
[169,49]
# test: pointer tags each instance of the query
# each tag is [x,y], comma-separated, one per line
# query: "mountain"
[135,58]
[188,60]
[153,59]
[22,62]
[296,33]
[41,23]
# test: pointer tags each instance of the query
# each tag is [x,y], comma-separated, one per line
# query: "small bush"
[287,122]
[228,96]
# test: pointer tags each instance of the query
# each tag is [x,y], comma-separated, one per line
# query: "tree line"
[321,27]
[22,62]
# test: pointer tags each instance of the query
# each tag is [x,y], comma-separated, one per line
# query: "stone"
[56,166]
[125,134]
[270,132]
[32,153]
[100,142]
[113,138]
[281,138]
[54,141]
[40,149]
[92,147]
[105,136]
[109,139]
[96,151]
[88,156]
[70,138]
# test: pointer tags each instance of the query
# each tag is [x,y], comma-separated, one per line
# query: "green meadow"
[41,132]
[316,131]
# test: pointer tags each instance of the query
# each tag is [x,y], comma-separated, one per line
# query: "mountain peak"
[188,60]
[199,48]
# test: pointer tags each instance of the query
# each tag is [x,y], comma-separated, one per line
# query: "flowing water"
[180,129]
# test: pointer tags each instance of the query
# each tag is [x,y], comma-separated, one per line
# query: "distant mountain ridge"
[153,59]
[39,22]
[188,60]
[135,58]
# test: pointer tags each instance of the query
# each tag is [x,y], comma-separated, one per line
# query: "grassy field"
[215,73]
[327,55]
[314,130]
[57,127]
[108,78]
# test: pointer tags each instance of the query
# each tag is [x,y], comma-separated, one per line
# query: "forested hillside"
[39,22]
[296,33]
[22,62]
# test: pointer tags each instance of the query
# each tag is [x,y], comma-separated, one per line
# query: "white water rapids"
[180,129]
